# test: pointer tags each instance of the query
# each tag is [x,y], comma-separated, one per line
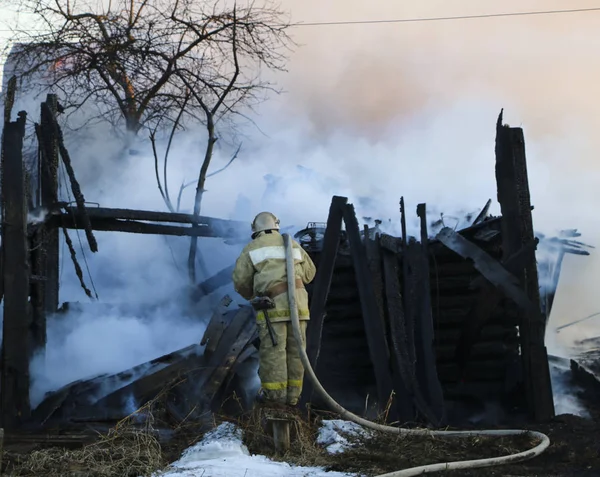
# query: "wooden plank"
[48,170]
[408,288]
[403,370]
[77,396]
[425,354]
[130,226]
[219,227]
[195,395]
[14,381]
[374,261]
[378,347]
[216,327]
[37,258]
[517,230]
[322,281]
[320,288]
[224,359]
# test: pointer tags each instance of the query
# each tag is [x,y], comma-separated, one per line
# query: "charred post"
[426,372]
[517,231]
[49,197]
[401,368]
[375,265]
[16,327]
[321,286]
[374,329]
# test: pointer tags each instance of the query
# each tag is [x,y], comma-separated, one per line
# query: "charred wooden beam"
[424,336]
[517,230]
[488,301]
[408,288]
[403,370]
[489,268]
[378,346]
[75,188]
[131,226]
[220,227]
[402,401]
[321,286]
[75,399]
[15,406]
[217,325]
[48,170]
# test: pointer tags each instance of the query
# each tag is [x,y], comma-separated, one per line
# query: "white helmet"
[264,221]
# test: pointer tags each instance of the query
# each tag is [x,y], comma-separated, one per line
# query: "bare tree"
[124,59]
[155,64]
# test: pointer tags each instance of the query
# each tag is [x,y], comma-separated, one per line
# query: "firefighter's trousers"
[280,369]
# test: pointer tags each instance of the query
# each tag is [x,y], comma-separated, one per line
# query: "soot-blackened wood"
[486,305]
[489,268]
[201,385]
[37,285]
[430,382]
[217,325]
[378,348]
[218,227]
[408,288]
[17,316]
[1,273]
[374,261]
[75,398]
[130,226]
[517,230]
[403,371]
[322,281]
[48,170]
[215,379]
[321,286]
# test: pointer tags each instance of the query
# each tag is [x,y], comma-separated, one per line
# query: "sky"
[384,110]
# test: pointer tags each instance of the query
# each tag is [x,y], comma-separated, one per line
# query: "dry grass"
[131,448]
[372,454]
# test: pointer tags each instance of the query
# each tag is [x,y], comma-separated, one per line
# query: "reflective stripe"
[296,383]
[275,252]
[260,316]
[274,386]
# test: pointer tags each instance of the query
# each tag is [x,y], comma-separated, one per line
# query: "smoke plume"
[371,112]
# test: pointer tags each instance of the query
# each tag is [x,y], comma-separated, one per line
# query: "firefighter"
[260,276]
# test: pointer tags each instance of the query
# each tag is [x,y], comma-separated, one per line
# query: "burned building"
[415,329]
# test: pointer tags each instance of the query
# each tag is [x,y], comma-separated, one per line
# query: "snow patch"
[329,434]
[221,453]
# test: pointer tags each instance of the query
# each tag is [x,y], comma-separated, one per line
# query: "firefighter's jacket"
[260,270]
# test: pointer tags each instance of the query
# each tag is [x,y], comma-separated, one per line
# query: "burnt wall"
[344,364]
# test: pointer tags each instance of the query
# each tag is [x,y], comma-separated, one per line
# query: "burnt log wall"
[492,371]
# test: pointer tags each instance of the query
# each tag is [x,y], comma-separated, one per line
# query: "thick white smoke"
[372,112]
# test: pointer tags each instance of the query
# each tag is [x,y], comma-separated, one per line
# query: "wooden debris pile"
[190,381]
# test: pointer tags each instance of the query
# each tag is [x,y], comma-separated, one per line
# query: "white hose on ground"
[424,469]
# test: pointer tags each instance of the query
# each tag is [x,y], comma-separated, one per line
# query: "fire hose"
[425,469]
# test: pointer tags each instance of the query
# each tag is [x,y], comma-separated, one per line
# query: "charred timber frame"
[15,406]
[517,231]
[136,221]
[45,240]
[374,329]
[321,286]
[425,355]
[402,408]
